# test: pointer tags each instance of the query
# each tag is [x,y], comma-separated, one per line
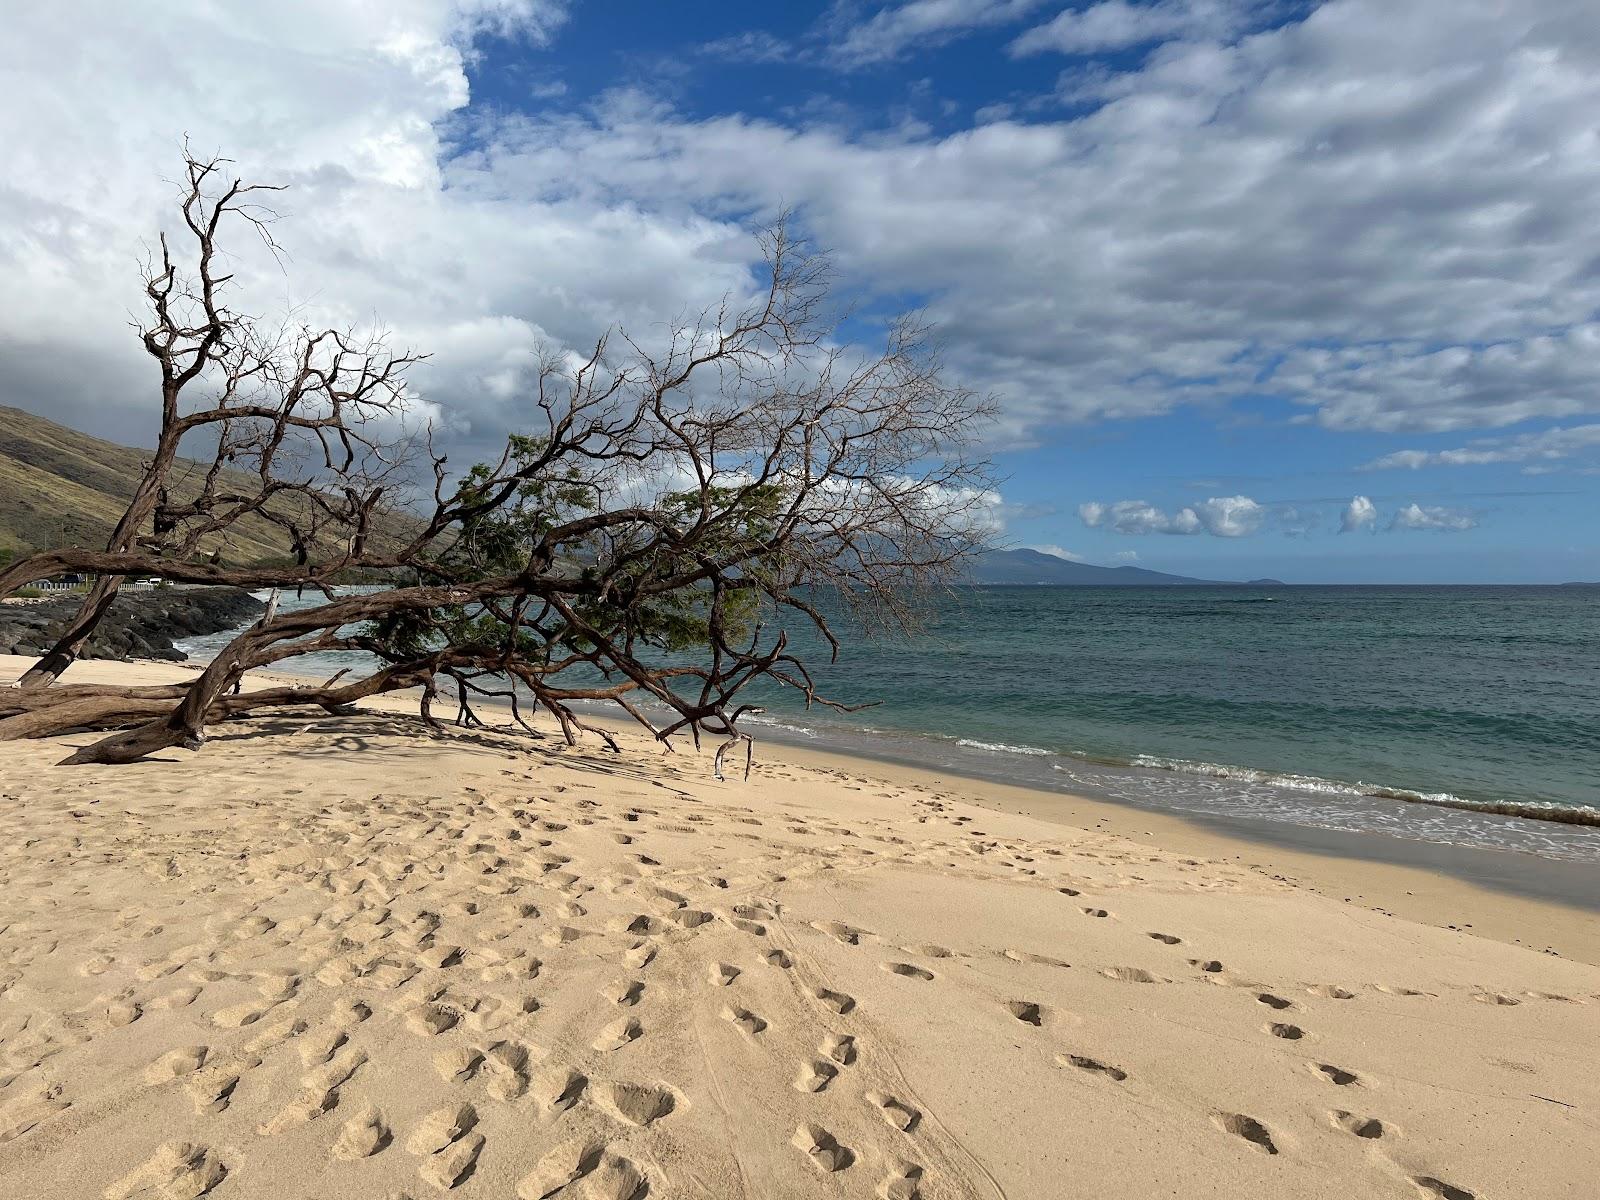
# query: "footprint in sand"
[902,1182]
[1095,912]
[508,1062]
[779,958]
[1130,975]
[618,1034]
[310,1105]
[1292,1033]
[1209,965]
[321,1047]
[1089,1064]
[557,1088]
[1336,1074]
[321,1093]
[212,1088]
[1389,989]
[430,1020]
[458,1064]
[178,998]
[240,1015]
[815,1076]
[567,1161]
[1272,1001]
[176,1063]
[1362,1127]
[1166,939]
[837,1001]
[638,924]
[614,1178]
[637,1103]
[1248,1128]
[846,935]
[625,992]
[24,1114]
[822,1148]
[840,1047]
[1042,960]
[442,1127]
[1429,1186]
[363,1135]
[454,1163]
[1026,1011]
[908,970]
[896,1112]
[176,1169]
[744,1020]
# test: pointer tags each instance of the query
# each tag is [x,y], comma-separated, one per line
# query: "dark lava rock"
[141,623]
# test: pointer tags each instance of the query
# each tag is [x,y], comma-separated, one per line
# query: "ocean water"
[1423,712]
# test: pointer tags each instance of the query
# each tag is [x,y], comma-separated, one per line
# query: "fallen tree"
[646,536]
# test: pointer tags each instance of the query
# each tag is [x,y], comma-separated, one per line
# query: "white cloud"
[752,46]
[1220,516]
[1359,514]
[1405,385]
[1230,516]
[1374,214]
[536,20]
[352,108]
[1438,520]
[1058,552]
[1118,25]
[1138,517]
[1540,449]
[1126,556]
[1380,213]
[893,30]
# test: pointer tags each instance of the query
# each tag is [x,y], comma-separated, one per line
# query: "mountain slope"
[1022,567]
[60,487]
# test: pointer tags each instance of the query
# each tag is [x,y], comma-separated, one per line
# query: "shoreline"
[1499,894]
[1510,896]
[1206,787]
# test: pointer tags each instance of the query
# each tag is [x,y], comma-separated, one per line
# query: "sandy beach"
[344,957]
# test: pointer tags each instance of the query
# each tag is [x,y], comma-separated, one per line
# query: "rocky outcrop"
[142,622]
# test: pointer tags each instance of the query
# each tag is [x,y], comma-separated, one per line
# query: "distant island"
[1025,568]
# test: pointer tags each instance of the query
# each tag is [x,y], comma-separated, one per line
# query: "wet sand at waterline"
[343,957]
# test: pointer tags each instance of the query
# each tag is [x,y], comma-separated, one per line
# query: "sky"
[1262,287]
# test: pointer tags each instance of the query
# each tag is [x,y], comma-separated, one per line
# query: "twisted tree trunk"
[104,589]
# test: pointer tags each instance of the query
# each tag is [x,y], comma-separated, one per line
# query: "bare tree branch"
[664,514]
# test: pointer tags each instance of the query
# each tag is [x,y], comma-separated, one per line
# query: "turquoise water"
[1339,706]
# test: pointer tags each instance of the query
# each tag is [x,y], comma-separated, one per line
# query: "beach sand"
[343,957]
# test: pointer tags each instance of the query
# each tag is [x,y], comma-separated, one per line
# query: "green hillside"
[60,487]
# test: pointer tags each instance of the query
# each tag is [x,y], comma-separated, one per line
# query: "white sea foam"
[773,723]
[1286,779]
[1002,748]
